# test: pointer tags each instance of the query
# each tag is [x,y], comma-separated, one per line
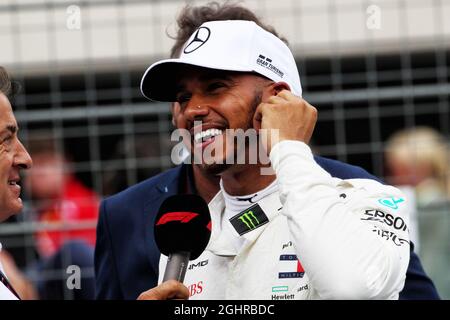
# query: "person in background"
[69,210]
[13,159]
[420,157]
[59,198]
[418,162]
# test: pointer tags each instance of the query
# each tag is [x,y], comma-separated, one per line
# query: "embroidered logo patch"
[280,289]
[293,268]
[249,219]
[391,202]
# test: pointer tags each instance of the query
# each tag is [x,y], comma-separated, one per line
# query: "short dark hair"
[7,87]
[191,18]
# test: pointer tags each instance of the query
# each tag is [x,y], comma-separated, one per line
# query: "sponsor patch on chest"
[249,219]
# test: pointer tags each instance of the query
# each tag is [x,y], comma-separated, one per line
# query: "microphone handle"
[176,267]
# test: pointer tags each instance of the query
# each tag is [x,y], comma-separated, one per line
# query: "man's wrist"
[288,147]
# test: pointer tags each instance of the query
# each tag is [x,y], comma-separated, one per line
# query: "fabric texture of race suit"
[318,237]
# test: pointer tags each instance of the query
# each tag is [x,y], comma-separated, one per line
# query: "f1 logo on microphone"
[182,217]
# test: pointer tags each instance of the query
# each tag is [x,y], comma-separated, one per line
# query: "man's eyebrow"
[219,75]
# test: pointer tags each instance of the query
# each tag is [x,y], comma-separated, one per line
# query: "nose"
[22,158]
[196,109]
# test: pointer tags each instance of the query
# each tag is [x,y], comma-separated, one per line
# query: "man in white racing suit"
[298,234]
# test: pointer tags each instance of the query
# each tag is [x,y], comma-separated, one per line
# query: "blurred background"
[377,71]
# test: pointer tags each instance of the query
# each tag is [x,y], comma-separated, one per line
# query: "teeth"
[13,183]
[207,134]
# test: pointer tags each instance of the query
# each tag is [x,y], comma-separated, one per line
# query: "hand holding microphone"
[182,232]
[168,290]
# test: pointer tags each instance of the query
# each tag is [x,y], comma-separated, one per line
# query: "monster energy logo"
[249,219]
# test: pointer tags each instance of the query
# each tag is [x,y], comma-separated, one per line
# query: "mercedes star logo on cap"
[200,38]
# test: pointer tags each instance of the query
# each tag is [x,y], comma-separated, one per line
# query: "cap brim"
[159,82]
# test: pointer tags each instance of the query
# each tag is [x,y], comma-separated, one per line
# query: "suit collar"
[168,185]
[170,181]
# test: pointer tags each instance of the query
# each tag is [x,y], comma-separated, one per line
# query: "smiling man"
[127,259]
[221,137]
[13,158]
[311,234]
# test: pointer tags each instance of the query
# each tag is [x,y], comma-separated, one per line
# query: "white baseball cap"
[232,45]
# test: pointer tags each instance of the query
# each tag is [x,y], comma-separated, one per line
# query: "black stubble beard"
[217,169]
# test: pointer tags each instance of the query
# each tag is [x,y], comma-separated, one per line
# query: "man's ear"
[175,108]
[277,87]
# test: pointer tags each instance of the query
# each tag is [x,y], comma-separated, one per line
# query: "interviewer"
[13,158]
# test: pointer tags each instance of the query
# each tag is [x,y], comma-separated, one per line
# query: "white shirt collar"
[268,200]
